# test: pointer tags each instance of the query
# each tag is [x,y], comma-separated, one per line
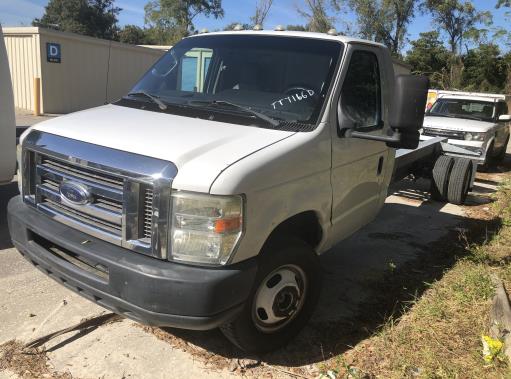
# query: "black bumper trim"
[142,288]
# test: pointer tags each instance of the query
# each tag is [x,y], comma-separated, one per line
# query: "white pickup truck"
[7,119]
[203,198]
[476,122]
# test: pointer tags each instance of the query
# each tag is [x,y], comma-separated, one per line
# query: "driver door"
[359,167]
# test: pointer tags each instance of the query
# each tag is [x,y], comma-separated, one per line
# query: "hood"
[200,149]
[458,124]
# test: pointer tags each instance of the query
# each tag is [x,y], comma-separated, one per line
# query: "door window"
[361,92]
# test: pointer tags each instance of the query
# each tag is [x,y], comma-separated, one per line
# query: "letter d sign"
[53,52]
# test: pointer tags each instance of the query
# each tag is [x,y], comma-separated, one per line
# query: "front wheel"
[284,296]
[502,153]
[490,158]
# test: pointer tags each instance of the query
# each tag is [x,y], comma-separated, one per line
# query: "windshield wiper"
[153,98]
[466,117]
[470,117]
[441,115]
[257,114]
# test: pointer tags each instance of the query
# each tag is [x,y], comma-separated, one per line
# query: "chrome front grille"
[103,212]
[83,173]
[451,134]
[128,195]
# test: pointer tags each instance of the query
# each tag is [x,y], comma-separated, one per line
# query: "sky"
[22,12]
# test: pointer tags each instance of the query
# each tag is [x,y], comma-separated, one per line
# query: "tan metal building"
[76,72]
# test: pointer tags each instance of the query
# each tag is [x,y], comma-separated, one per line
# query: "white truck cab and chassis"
[203,198]
[476,122]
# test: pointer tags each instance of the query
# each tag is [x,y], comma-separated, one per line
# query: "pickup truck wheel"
[459,184]
[490,158]
[502,153]
[440,178]
[284,296]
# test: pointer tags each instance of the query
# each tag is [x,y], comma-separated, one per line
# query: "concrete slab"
[126,351]
[24,118]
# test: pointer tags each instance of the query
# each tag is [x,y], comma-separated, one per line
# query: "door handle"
[380,166]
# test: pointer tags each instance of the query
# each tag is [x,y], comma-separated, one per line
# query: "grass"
[437,334]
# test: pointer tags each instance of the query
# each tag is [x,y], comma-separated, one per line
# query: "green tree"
[133,35]
[485,70]
[428,56]
[318,14]
[297,28]
[171,20]
[504,3]
[384,21]
[458,19]
[232,25]
[507,59]
[95,18]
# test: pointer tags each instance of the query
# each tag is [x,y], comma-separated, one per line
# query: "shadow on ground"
[376,274]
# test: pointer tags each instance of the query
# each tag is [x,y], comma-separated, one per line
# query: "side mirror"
[406,113]
[505,118]
[407,110]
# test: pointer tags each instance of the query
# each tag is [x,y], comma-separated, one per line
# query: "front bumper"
[142,288]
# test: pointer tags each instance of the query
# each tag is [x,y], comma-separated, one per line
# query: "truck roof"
[475,97]
[288,33]
[470,95]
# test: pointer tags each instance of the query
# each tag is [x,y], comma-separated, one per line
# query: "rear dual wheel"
[459,182]
[440,177]
[451,179]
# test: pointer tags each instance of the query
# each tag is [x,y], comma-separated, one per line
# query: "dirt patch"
[27,363]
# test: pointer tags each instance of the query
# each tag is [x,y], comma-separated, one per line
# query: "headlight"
[475,136]
[205,228]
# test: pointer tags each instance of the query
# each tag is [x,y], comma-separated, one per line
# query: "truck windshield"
[284,78]
[467,109]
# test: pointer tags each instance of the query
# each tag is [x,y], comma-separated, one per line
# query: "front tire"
[502,153]
[490,158]
[285,293]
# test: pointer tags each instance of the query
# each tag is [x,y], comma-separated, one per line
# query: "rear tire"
[459,183]
[440,177]
[285,293]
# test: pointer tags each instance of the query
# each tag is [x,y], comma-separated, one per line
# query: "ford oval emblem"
[75,193]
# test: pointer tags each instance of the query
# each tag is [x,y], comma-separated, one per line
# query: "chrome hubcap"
[280,298]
